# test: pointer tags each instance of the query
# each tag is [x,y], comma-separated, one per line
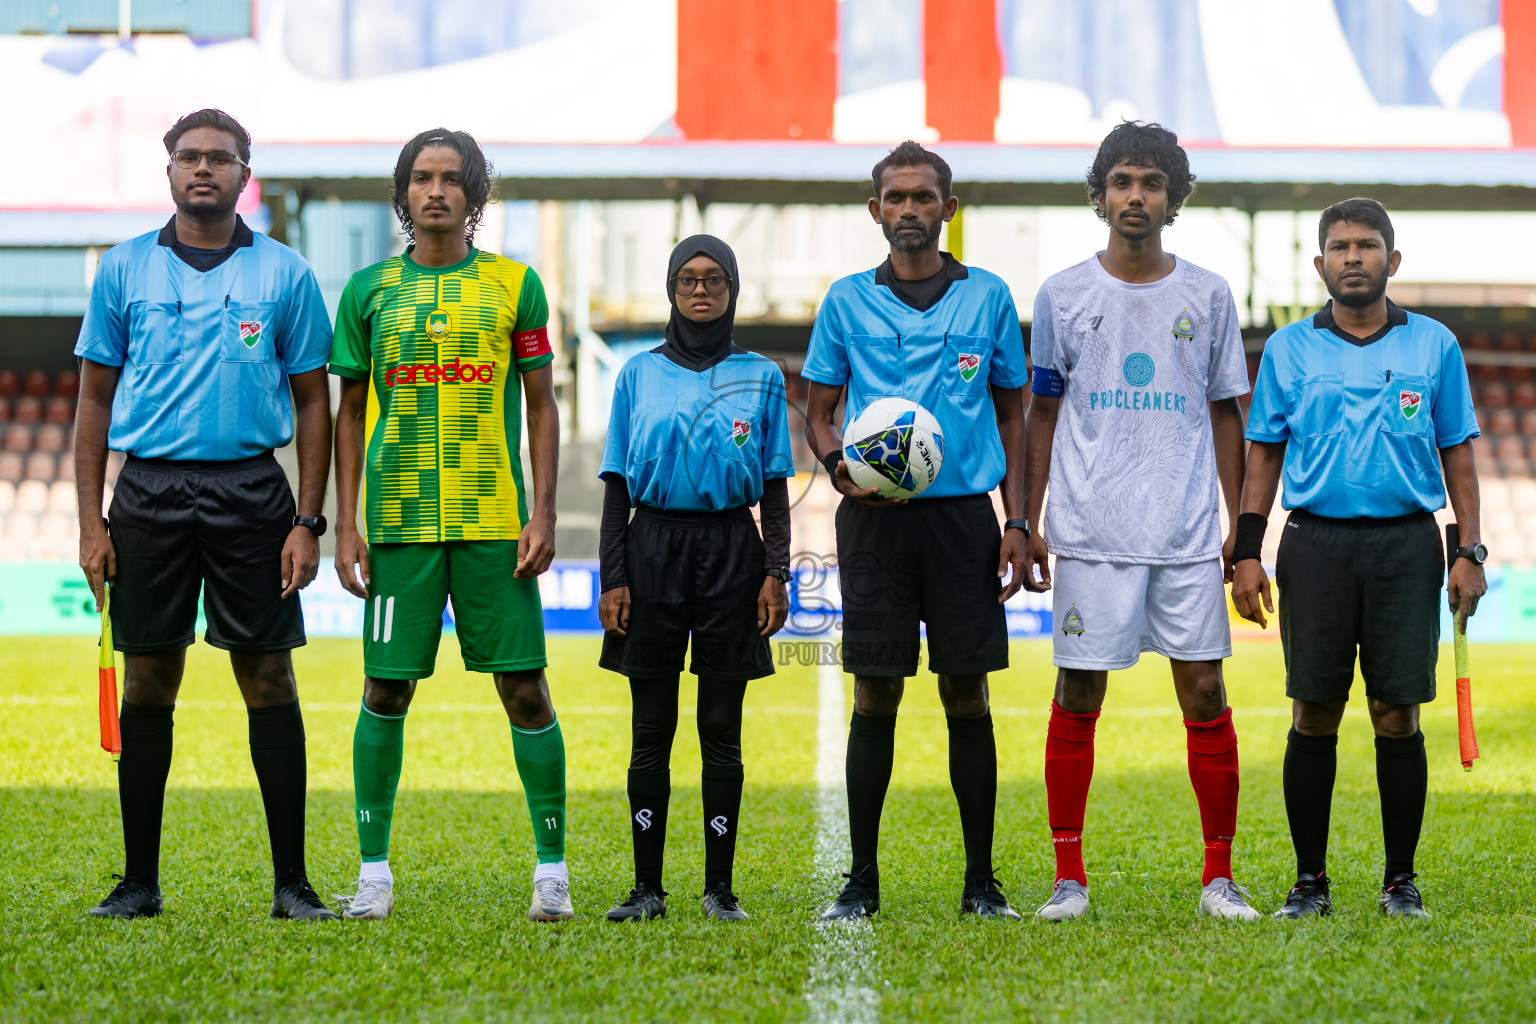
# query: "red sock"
[1068,772]
[1213,773]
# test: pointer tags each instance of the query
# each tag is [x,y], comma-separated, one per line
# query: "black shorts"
[180,526]
[1374,584]
[697,573]
[934,560]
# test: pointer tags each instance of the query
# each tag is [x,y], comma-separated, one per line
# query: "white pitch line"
[839,988]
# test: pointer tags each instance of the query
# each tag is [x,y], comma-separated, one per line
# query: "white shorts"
[1107,613]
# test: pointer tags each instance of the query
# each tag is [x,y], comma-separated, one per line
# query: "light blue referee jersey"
[693,441]
[942,358]
[205,355]
[1363,419]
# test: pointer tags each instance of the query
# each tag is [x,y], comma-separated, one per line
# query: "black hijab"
[690,344]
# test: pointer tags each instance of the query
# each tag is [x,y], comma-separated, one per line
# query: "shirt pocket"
[248,332]
[654,432]
[1318,405]
[967,363]
[156,333]
[1405,405]
[874,361]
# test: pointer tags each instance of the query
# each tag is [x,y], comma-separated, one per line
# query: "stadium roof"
[985,174]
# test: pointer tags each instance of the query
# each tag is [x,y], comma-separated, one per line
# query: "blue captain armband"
[1048,382]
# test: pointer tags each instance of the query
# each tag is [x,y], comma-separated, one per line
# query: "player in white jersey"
[1134,419]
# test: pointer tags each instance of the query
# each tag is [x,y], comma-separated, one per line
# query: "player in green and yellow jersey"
[436,350]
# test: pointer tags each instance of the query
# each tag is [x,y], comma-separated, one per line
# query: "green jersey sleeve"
[530,339]
[351,349]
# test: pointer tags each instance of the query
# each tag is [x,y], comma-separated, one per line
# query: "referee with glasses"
[1365,412]
[194,340]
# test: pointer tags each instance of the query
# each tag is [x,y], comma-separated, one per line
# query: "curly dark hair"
[477,176]
[910,154]
[1142,145]
[211,117]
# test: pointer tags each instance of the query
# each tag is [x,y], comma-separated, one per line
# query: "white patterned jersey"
[1133,463]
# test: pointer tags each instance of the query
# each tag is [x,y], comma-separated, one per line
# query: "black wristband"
[1250,537]
[830,460]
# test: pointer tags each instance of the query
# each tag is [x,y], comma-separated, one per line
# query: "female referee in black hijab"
[697,435]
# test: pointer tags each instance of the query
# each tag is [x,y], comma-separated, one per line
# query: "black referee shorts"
[1367,584]
[183,526]
[692,573]
[932,560]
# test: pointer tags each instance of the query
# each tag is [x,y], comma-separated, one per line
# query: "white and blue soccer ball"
[894,446]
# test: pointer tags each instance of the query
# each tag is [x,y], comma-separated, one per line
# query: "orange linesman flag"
[1464,730]
[106,678]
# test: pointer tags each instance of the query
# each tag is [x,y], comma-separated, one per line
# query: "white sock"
[376,869]
[555,870]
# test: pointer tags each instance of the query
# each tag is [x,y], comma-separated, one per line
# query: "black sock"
[871,749]
[973,774]
[1310,765]
[648,796]
[722,804]
[1402,777]
[719,722]
[277,754]
[141,774]
[654,722]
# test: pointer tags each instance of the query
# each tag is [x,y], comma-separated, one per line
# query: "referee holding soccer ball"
[924,327]
[1360,408]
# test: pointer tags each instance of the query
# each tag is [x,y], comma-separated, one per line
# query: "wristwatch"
[1018,524]
[781,573]
[315,524]
[1477,554]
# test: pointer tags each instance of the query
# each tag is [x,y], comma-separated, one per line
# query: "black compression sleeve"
[830,461]
[1249,542]
[774,510]
[610,538]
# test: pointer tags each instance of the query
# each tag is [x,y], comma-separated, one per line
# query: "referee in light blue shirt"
[195,337]
[1366,411]
[925,327]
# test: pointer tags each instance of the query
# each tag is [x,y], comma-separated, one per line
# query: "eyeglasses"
[714,284]
[218,159]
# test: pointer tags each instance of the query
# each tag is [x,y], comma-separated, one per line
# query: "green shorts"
[499,618]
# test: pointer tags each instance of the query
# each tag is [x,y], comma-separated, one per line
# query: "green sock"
[378,747]
[540,755]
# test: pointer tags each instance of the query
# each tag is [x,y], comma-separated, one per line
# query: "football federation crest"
[1183,327]
[740,431]
[1409,402]
[438,324]
[969,364]
[250,332]
[1139,369]
[1072,625]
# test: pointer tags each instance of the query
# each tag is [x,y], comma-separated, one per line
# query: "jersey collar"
[242,238]
[1323,320]
[952,271]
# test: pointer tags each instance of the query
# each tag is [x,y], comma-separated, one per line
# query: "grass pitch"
[460,949]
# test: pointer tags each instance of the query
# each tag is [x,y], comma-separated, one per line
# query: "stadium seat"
[1482,450]
[27,409]
[18,438]
[32,496]
[1500,421]
[41,466]
[36,384]
[1485,372]
[1517,374]
[11,466]
[1522,498]
[1477,340]
[7,496]
[1523,396]
[66,470]
[1494,395]
[67,384]
[61,496]
[51,438]
[20,525]
[5,410]
[59,410]
[1508,446]
[1511,341]
[10,384]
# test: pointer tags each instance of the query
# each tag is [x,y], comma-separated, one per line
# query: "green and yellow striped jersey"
[442,349]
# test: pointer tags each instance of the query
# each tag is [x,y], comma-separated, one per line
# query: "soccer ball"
[894,446]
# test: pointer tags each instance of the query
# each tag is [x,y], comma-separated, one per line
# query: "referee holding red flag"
[1352,406]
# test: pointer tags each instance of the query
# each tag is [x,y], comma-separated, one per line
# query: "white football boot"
[551,899]
[1224,898]
[1070,900]
[374,900]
